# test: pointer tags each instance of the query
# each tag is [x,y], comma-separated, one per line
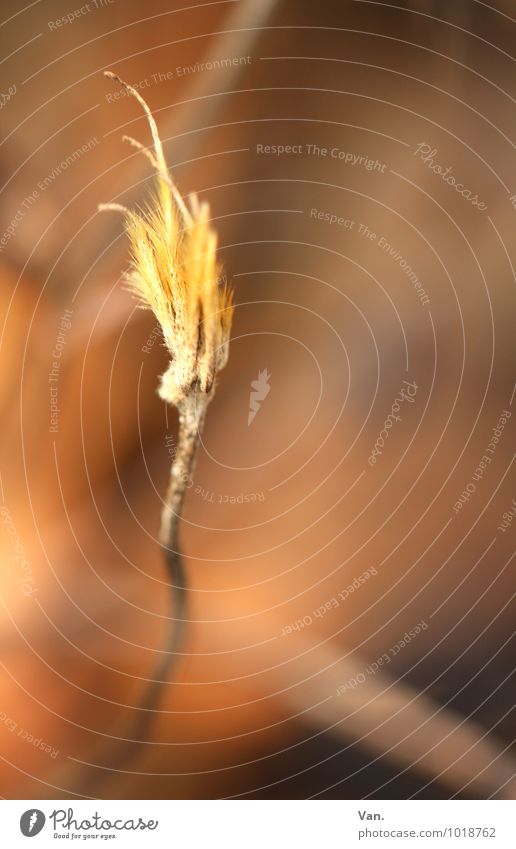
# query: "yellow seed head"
[175,272]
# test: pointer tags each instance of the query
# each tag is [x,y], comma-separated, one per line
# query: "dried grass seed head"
[175,273]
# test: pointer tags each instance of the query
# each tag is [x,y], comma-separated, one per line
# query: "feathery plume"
[175,272]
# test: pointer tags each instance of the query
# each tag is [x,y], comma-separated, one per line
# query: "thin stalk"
[191,419]
[192,410]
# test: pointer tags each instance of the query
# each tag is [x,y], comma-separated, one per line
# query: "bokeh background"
[282,691]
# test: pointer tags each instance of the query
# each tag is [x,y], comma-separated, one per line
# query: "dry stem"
[191,419]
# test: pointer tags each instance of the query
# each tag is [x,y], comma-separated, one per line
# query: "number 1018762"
[470,832]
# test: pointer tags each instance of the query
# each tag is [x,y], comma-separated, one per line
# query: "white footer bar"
[259,824]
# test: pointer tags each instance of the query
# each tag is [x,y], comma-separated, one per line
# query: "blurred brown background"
[286,512]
